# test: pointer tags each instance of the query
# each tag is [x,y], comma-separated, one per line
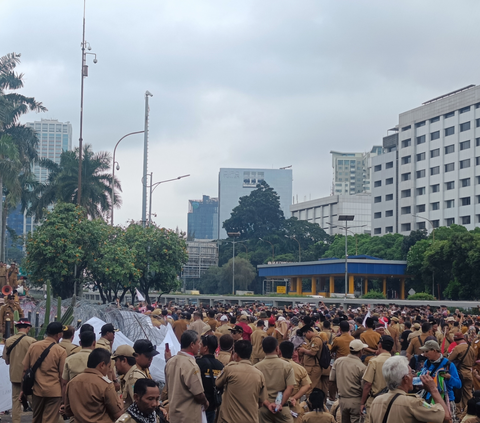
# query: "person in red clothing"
[247,330]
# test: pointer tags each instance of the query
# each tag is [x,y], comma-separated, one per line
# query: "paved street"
[26,418]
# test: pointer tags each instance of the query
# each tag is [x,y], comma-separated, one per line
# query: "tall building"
[236,183]
[325,211]
[202,218]
[352,171]
[429,174]
[202,254]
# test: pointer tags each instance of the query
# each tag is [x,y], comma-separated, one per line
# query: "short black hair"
[287,348]
[326,324]
[86,327]
[141,385]
[130,360]
[260,324]
[226,342]
[87,339]
[472,406]
[210,341]
[369,322]
[426,327]
[344,326]
[97,356]
[408,324]
[68,333]
[317,399]
[187,338]
[269,344]
[243,349]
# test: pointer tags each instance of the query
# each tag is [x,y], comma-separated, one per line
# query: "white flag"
[366,317]
[139,296]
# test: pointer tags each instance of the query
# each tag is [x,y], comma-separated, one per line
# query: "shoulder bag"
[11,347]
[385,417]
[29,377]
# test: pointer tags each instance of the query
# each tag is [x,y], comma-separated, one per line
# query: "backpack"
[418,360]
[323,356]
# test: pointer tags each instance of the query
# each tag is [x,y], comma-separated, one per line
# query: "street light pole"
[145,160]
[233,235]
[273,248]
[113,169]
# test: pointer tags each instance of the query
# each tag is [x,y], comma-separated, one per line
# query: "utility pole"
[145,160]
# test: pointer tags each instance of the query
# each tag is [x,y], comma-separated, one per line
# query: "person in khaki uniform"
[244,389]
[373,380]
[13,356]
[394,330]
[302,380]
[7,311]
[144,351]
[419,341]
[257,337]
[310,361]
[156,318]
[318,412]
[125,364]
[12,275]
[198,324]
[90,396]
[347,373]
[66,342]
[341,344]
[407,408]
[3,274]
[180,325]
[184,383]
[416,331]
[225,353]
[108,336]
[223,329]
[47,389]
[279,377]
[371,338]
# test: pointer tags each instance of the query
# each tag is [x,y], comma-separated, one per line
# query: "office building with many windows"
[236,183]
[429,174]
[202,218]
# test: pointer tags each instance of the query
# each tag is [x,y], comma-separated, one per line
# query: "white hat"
[281,319]
[224,318]
[357,345]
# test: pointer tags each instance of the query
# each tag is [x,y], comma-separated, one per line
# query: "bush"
[422,296]
[374,295]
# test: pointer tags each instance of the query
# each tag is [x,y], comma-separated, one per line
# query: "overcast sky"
[238,83]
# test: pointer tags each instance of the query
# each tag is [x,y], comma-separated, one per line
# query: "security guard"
[90,396]
[373,379]
[310,361]
[66,342]
[125,364]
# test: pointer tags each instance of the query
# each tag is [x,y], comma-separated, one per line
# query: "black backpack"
[323,356]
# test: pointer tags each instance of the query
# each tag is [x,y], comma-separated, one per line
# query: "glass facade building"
[202,218]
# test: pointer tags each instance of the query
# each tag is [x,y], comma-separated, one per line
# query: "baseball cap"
[236,328]
[107,328]
[357,345]
[430,345]
[23,322]
[416,325]
[124,351]
[224,318]
[54,328]
[145,347]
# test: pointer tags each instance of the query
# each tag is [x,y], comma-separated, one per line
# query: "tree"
[62,183]
[244,275]
[210,281]
[410,240]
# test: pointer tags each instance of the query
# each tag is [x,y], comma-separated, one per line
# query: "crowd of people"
[258,364]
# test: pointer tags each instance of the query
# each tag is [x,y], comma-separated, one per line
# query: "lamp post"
[118,168]
[233,235]
[145,160]
[152,187]
[433,240]
[273,248]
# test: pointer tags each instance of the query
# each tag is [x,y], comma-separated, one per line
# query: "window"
[389,213]
[421,225]
[465,201]
[435,206]
[406,159]
[436,223]
[449,167]
[449,131]
[406,210]
[406,227]
[377,199]
[477,122]
[465,182]
[435,188]
[450,221]
[450,204]
[434,170]
[419,124]
[377,184]
[464,109]
[449,149]
[450,185]
[420,191]
[389,229]
[377,231]
[406,128]
[434,135]
[377,168]
[464,145]
[377,215]
[449,115]
[406,143]
[464,163]
[465,220]
[477,142]
[420,157]
[435,119]
[389,197]
[435,153]
[406,193]
[420,174]
[477,161]
[406,176]
[464,126]
[478,179]
[421,208]
[388,165]
[389,181]
[421,139]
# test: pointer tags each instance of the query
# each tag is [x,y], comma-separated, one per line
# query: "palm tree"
[62,183]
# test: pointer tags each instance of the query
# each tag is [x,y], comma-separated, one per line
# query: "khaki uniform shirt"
[104,343]
[3,276]
[341,345]
[358,332]
[415,344]
[371,338]
[199,326]
[12,277]
[130,378]
[405,409]
[301,376]
[278,375]
[213,323]
[315,345]
[317,417]
[244,388]
[224,357]
[256,338]
[75,364]
[224,329]
[7,312]
[468,362]
[180,326]
[47,377]
[91,397]
[183,382]
[347,372]
[374,375]
[69,347]
[16,356]
[414,334]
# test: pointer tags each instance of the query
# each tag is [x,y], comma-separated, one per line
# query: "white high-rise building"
[352,171]
[429,174]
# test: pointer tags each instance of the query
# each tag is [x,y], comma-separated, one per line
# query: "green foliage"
[46,321]
[16,317]
[421,296]
[374,295]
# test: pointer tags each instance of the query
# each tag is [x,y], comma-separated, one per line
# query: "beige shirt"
[318,417]
[256,338]
[16,356]
[47,377]
[374,375]
[301,376]
[341,345]
[75,364]
[69,347]
[278,375]
[224,357]
[347,372]
[371,338]
[315,345]
[244,388]
[104,343]
[224,329]
[468,362]
[199,326]
[405,409]
[183,382]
